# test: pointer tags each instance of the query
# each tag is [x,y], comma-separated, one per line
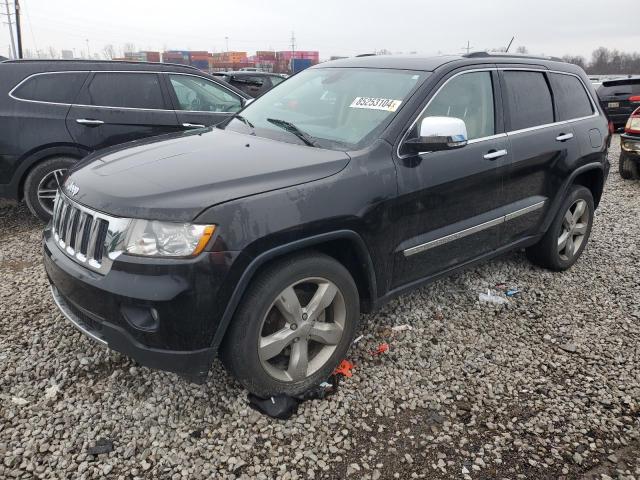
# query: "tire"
[258,318]
[550,252]
[628,168]
[43,179]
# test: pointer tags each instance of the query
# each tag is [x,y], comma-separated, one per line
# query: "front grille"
[89,237]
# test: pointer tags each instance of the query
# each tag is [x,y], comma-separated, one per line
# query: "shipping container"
[299,64]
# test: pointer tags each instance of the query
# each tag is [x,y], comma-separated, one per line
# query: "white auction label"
[370,103]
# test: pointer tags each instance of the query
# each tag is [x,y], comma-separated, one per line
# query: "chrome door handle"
[87,121]
[563,137]
[495,154]
[193,125]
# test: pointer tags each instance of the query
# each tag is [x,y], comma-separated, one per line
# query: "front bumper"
[162,313]
[630,146]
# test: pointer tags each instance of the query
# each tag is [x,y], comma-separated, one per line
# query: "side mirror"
[439,133]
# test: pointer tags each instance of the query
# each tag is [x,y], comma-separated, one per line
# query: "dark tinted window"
[571,97]
[620,87]
[52,87]
[528,99]
[130,90]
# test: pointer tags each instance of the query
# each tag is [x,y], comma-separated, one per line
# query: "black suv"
[253,84]
[352,182]
[55,112]
[616,98]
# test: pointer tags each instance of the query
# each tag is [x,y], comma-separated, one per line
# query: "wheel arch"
[591,176]
[31,159]
[346,246]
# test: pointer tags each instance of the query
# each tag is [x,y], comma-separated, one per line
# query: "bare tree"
[128,47]
[109,52]
[522,49]
[576,60]
[53,53]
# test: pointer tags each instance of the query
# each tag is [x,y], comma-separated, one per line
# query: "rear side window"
[528,99]
[572,100]
[125,90]
[59,87]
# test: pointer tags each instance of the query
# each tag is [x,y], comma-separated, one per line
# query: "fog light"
[141,318]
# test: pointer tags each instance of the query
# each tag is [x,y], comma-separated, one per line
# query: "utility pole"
[10,23]
[88,50]
[227,40]
[468,47]
[18,30]
[293,51]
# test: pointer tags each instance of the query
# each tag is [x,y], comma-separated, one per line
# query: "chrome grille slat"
[87,236]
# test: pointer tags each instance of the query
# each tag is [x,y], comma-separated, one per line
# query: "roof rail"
[106,62]
[484,54]
[366,55]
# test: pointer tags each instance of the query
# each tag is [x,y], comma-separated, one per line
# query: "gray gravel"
[547,386]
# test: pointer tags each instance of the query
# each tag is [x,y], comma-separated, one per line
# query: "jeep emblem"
[72,189]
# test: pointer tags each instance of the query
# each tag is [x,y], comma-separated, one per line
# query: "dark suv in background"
[616,98]
[252,83]
[350,183]
[53,113]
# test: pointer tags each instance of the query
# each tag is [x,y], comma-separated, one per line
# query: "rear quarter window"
[58,87]
[571,98]
[528,98]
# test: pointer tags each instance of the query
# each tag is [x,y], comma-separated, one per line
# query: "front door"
[450,202]
[200,102]
[117,107]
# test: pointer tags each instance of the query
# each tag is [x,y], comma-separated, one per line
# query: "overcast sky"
[334,27]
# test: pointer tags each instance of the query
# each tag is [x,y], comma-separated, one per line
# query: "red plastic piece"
[344,369]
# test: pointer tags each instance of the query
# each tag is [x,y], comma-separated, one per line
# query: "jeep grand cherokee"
[352,182]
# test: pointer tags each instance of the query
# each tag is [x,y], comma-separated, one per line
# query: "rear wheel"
[293,327]
[628,168]
[42,183]
[568,234]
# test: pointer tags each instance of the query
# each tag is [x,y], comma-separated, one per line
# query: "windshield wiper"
[291,128]
[245,121]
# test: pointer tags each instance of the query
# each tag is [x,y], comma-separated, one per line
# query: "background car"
[56,112]
[630,147]
[252,83]
[614,96]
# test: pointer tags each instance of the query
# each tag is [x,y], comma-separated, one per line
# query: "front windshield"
[336,108]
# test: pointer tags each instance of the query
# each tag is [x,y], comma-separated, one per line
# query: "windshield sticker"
[376,103]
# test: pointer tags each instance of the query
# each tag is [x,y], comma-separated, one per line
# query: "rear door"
[200,102]
[117,107]
[542,148]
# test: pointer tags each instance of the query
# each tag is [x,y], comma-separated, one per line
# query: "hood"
[176,178]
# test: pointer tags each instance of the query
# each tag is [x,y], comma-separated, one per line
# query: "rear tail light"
[633,124]
[635,99]
[612,129]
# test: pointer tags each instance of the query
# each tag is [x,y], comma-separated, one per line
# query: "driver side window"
[201,95]
[468,97]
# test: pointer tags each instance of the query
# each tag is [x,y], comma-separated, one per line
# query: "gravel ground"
[544,387]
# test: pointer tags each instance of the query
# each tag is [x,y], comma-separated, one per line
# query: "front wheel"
[628,168]
[293,327]
[568,234]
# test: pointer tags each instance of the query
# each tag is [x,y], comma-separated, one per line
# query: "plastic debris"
[103,445]
[402,328]
[19,401]
[512,292]
[491,298]
[51,392]
[344,369]
[284,407]
[382,348]
[357,339]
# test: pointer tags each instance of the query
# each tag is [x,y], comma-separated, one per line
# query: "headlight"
[631,146]
[166,239]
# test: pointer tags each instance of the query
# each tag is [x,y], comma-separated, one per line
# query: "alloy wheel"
[302,329]
[574,228]
[48,187]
